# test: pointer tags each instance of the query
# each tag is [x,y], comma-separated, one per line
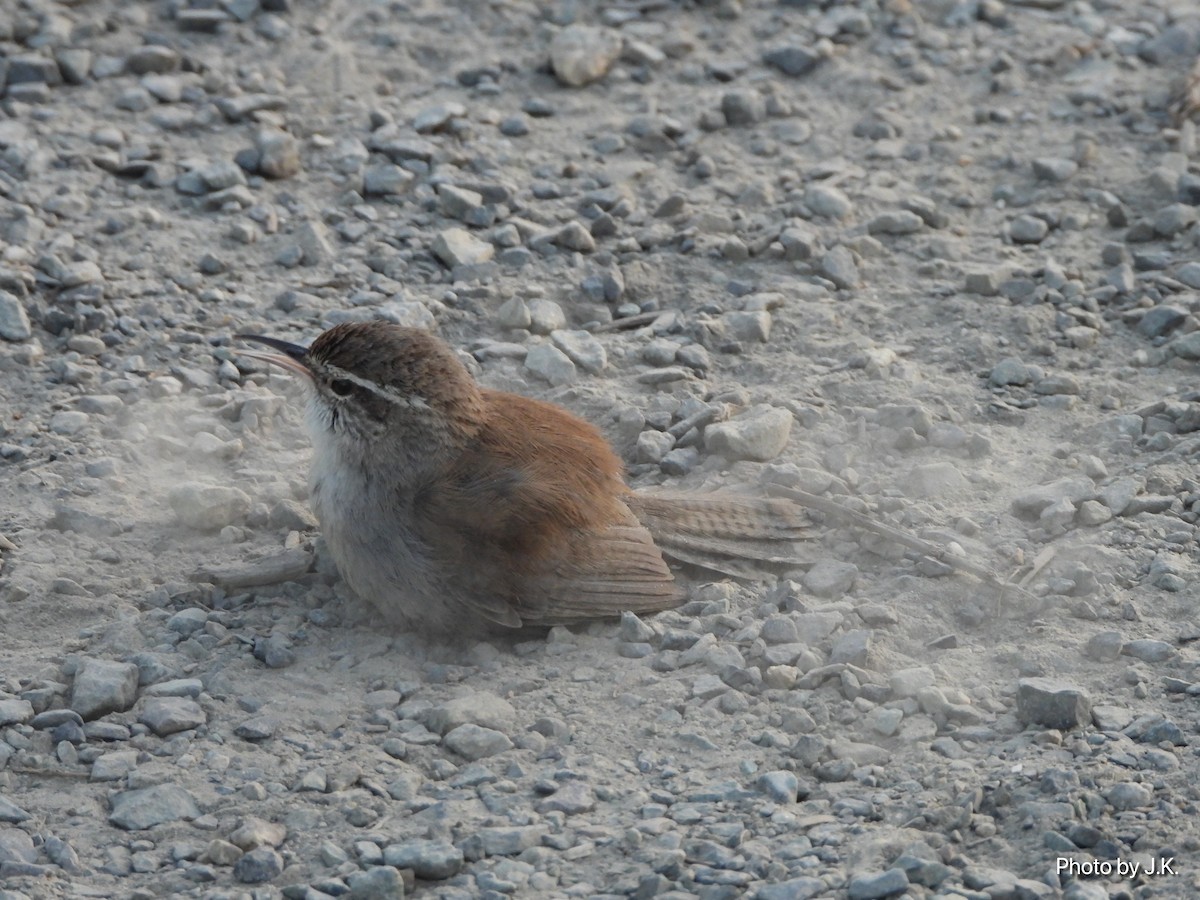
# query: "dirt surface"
[956,241]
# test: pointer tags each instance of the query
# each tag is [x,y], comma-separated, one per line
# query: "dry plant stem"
[286,566]
[925,548]
[1187,98]
[50,773]
[1040,562]
[646,318]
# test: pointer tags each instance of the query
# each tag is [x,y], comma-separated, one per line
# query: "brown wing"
[532,524]
[602,574]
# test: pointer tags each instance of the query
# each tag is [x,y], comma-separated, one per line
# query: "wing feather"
[534,526]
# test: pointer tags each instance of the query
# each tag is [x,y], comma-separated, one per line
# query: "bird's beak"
[290,356]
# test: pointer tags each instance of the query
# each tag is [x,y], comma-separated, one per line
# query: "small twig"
[1039,563]
[49,773]
[1152,410]
[646,318]
[706,416]
[911,541]
[286,566]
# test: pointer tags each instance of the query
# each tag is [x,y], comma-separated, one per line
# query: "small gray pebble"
[1054,169]
[680,461]
[274,652]
[828,201]
[877,885]
[1129,795]
[430,860]
[377,883]
[1011,371]
[582,348]
[793,60]
[259,865]
[758,434]
[1105,646]
[1053,704]
[550,364]
[474,742]
[143,808]
[897,222]
[103,686]
[780,786]
[458,247]
[14,322]
[1150,651]
[1026,229]
[169,715]
[743,107]
[838,266]
[292,516]
[514,126]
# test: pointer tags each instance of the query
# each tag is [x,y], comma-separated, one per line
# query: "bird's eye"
[343,387]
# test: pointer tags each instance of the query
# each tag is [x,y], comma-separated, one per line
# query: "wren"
[453,508]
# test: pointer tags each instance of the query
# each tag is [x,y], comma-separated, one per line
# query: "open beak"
[290,356]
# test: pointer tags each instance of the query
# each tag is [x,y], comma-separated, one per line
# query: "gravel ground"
[937,260]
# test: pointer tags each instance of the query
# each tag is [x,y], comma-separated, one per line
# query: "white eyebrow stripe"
[392,396]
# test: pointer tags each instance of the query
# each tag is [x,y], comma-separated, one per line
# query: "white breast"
[366,526]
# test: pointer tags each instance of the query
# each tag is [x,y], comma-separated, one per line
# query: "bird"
[456,509]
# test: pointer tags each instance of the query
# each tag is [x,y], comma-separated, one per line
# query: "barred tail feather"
[726,533]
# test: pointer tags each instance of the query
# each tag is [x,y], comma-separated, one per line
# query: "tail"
[727,533]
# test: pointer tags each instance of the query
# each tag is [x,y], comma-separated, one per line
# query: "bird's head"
[381,390]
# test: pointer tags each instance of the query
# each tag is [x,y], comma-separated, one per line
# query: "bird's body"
[509,533]
[453,508]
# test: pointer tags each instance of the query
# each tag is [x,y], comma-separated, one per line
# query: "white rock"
[15,711]
[410,313]
[313,238]
[386,178]
[546,316]
[1031,501]
[934,479]
[513,313]
[551,364]
[573,236]
[458,247]
[581,54]
[583,349]
[830,578]
[164,386]
[759,434]
[14,322]
[279,153]
[208,507]
[84,272]
[69,421]
[653,445]
[484,709]
[1093,512]
[456,202]
[909,682]
[86,344]
[101,403]
[435,118]
[476,742]
[754,326]
[144,808]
